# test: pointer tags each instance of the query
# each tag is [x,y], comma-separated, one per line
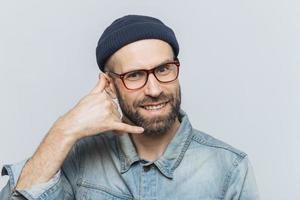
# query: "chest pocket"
[91,191]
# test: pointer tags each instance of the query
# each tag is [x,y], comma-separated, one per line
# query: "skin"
[98,113]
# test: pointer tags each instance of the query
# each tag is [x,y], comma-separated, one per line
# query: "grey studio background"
[239,75]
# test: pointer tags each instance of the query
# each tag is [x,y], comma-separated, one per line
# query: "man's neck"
[150,148]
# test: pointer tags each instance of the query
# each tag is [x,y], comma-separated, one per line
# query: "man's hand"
[95,113]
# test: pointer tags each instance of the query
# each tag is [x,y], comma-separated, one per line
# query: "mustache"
[149,99]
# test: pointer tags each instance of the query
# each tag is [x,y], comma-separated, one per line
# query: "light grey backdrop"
[240,73]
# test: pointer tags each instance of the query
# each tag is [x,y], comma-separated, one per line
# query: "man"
[149,150]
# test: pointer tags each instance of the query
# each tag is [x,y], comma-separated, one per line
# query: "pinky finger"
[122,127]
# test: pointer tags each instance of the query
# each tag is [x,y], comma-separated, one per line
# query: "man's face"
[155,107]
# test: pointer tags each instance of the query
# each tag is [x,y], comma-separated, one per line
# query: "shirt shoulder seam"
[197,137]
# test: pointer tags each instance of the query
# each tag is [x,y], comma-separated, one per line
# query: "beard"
[155,126]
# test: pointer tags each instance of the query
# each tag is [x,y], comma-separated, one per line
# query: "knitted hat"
[131,28]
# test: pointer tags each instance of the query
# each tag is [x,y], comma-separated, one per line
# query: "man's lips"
[154,106]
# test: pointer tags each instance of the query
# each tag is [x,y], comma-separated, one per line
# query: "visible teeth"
[156,107]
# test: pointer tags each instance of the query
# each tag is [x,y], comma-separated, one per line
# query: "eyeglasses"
[164,73]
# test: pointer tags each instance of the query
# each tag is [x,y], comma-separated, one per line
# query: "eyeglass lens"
[163,73]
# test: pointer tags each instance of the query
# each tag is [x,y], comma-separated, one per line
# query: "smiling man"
[157,107]
[128,138]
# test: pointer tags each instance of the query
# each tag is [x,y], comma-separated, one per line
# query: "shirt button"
[147,168]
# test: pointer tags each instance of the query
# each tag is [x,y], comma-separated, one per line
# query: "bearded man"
[129,138]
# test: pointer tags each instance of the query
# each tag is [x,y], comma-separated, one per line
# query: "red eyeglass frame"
[148,71]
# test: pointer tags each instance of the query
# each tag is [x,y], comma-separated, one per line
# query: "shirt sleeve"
[14,171]
[241,182]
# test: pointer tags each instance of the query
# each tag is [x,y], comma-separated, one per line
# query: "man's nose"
[152,87]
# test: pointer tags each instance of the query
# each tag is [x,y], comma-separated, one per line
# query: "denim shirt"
[107,166]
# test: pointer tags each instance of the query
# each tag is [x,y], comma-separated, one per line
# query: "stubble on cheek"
[154,125]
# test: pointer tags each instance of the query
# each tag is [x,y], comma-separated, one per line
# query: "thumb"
[102,83]
[122,127]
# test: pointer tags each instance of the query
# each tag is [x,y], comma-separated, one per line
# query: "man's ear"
[110,89]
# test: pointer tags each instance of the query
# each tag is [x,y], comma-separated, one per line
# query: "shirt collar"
[172,156]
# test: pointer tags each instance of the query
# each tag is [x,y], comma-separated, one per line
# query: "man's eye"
[162,69]
[134,75]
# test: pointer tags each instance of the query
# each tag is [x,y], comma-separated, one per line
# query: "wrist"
[63,132]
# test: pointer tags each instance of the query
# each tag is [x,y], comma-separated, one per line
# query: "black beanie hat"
[131,28]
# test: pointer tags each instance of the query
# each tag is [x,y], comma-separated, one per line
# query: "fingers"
[122,127]
[102,83]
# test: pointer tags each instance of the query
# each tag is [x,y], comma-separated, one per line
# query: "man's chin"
[155,124]
[155,120]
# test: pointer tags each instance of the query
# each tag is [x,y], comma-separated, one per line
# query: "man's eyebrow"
[163,62]
[167,60]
